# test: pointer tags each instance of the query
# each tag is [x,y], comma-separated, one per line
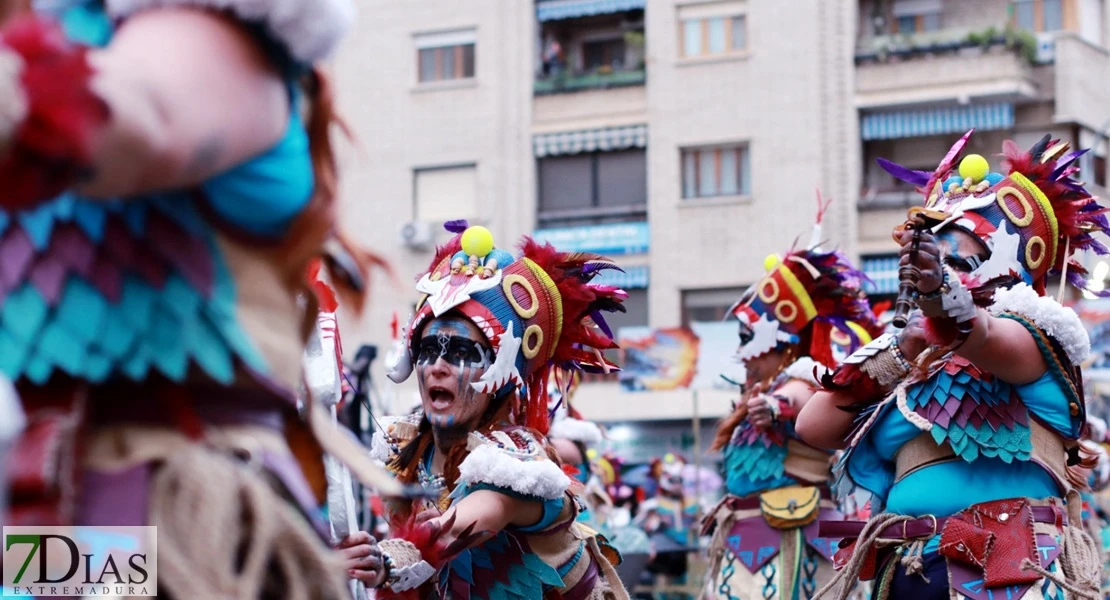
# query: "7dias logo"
[80,561]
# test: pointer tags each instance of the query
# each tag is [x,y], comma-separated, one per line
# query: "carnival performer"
[573,438]
[963,428]
[166,176]
[765,542]
[668,518]
[487,332]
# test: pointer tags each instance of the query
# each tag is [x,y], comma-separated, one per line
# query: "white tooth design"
[503,371]
[765,336]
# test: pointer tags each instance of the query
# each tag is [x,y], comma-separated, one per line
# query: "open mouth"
[441,397]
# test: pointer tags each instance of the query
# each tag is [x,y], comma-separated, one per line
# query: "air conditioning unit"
[417,235]
[1046,47]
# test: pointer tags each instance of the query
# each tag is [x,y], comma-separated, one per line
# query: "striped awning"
[633,278]
[936,121]
[590,140]
[553,10]
[883,272]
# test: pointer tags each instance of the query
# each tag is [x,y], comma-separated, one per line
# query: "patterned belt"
[922,527]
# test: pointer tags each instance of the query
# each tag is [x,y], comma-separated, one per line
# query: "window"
[712,29]
[603,53]
[915,16]
[716,171]
[582,184]
[445,193]
[711,305]
[445,56]
[1038,15]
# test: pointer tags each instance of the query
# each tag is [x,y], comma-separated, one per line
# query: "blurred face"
[762,367]
[961,250]
[451,355]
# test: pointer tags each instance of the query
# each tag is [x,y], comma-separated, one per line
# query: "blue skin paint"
[454,355]
[950,240]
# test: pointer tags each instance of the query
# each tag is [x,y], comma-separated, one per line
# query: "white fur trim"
[803,369]
[575,430]
[13,105]
[309,29]
[537,476]
[11,415]
[1057,321]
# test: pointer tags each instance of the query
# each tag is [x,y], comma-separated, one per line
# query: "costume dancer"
[668,519]
[165,178]
[963,428]
[573,438]
[488,330]
[765,542]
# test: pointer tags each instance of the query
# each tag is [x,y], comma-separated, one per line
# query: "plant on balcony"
[1022,42]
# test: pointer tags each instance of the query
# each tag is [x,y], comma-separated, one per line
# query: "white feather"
[309,29]
[575,430]
[803,369]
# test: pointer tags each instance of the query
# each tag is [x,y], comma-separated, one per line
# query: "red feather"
[52,146]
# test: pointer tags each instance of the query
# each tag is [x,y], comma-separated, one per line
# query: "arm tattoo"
[207,155]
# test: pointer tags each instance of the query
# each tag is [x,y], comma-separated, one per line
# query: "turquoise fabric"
[551,507]
[263,195]
[157,312]
[949,487]
[755,467]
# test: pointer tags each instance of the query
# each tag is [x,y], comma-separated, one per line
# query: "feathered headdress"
[808,296]
[539,310]
[1033,217]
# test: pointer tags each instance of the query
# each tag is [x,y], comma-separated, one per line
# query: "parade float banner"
[699,357]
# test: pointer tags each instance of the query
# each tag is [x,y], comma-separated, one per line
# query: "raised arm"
[177,96]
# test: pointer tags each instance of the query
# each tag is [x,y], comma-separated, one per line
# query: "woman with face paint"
[500,519]
[791,322]
[808,306]
[963,429]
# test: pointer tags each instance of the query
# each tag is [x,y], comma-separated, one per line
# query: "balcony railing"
[577,82]
[949,41]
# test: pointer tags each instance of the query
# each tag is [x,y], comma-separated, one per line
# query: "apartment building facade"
[687,138]
[928,70]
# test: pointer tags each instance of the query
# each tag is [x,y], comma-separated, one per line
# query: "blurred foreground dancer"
[165,179]
[964,428]
[765,542]
[487,332]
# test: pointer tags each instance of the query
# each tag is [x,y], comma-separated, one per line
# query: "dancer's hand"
[363,559]
[912,341]
[927,260]
[760,413]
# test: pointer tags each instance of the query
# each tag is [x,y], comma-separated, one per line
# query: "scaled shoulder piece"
[803,369]
[1057,321]
[513,460]
[576,430]
[309,29]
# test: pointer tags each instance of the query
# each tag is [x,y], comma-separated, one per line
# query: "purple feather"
[456,226]
[594,267]
[1067,160]
[918,178]
[600,320]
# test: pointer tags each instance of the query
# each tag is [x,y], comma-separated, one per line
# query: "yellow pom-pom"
[974,166]
[771,261]
[477,241]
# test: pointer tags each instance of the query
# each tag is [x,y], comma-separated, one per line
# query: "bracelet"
[898,355]
[935,294]
[952,300]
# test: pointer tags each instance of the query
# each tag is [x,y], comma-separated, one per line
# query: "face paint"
[954,256]
[451,355]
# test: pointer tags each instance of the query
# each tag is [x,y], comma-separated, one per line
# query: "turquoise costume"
[969,477]
[158,337]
